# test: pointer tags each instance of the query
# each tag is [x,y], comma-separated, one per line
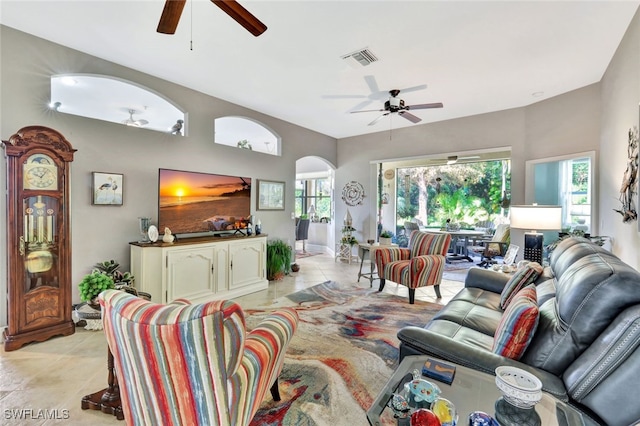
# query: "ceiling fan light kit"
[397,105]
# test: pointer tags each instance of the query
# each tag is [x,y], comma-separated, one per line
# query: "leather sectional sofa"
[585,347]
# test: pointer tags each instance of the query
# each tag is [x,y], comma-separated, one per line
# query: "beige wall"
[595,117]
[620,98]
[565,124]
[102,233]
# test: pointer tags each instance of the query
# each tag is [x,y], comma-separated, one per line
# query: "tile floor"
[44,382]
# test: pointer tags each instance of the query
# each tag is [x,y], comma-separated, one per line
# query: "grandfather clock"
[38,236]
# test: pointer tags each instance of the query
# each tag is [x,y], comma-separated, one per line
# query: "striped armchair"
[183,364]
[419,265]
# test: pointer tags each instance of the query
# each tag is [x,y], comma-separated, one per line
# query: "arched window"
[245,133]
[119,101]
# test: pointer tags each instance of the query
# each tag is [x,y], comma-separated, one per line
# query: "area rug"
[344,351]
[302,254]
[457,270]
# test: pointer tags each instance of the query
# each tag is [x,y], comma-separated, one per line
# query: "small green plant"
[278,259]
[244,144]
[111,269]
[386,234]
[351,240]
[93,284]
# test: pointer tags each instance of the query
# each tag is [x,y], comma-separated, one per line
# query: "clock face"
[40,172]
[389,174]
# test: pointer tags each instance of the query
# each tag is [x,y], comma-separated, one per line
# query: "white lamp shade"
[312,210]
[536,217]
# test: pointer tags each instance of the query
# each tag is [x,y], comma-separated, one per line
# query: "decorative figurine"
[445,411]
[168,237]
[399,406]
[479,418]
[422,390]
[424,417]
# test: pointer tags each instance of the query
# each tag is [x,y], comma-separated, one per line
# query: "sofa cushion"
[590,293]
[521,278]
[518,324]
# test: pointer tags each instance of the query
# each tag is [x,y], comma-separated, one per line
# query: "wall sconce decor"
[353,193]
[629,186]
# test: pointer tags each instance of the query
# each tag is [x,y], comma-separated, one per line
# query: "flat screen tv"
[193,202]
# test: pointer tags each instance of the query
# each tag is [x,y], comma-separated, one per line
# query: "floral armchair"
[420,264]
[183,364]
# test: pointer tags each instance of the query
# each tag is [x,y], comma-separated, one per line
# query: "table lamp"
[535,218]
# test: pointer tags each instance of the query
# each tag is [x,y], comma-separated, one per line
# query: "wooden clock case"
[38,236]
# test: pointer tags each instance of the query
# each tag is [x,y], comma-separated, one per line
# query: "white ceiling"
[474,56]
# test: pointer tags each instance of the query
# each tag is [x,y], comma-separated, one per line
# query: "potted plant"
[111,268]
[349,239]
[92,285]
[385,238]
[278,259]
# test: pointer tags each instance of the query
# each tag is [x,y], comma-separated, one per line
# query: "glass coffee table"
[470,391]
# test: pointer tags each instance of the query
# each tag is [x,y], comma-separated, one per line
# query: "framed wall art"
[107,189]
[270,195]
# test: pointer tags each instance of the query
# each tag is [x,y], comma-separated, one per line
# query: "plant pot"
[277,276]
[385,241]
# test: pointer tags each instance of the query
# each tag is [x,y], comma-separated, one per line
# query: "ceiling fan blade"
[343,96]
[377,119]
[362,104]
[170,16]
[414,88]
[425,106]
[372,83]
[242,16]
[412,118]
[367,110]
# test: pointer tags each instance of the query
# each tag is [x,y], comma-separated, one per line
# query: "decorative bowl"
[518,387]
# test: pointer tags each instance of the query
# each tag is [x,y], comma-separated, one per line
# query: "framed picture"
[106,189]
[510,256]
[270,195]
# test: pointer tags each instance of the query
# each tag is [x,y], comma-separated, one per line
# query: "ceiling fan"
[135,123]
[173,10]
[396,105]
[452,159]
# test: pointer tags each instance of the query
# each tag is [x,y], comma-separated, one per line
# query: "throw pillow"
[517,325]
[521,278]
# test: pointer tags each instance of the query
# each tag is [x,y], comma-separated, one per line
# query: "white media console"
[200,269]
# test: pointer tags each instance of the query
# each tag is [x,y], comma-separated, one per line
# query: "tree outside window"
[316,193]
[460,193]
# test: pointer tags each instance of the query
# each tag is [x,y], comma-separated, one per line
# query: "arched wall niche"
[247,133]
[113,99]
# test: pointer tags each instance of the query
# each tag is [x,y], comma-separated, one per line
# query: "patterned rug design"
[343,352]
[457,270]
[302,254]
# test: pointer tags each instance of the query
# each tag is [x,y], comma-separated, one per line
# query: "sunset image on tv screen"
[191,202]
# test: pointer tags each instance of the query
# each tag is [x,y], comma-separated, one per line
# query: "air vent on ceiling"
[363,57]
